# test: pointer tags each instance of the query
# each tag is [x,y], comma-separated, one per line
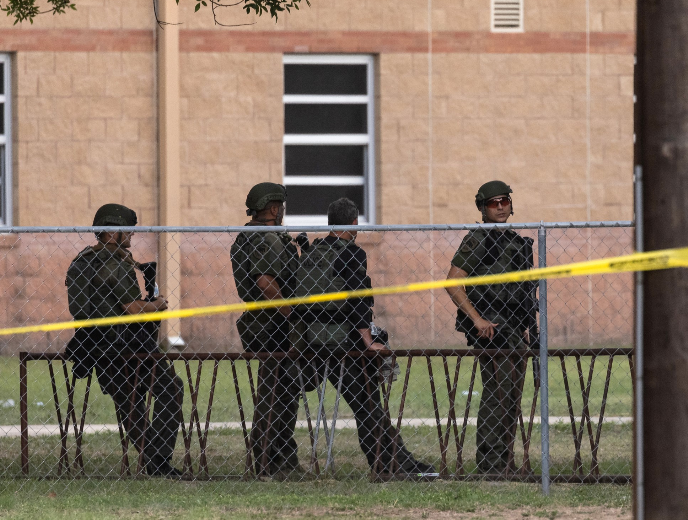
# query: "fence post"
[639,469]
[544,366]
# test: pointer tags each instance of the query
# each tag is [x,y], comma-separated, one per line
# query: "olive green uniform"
[274,254]
[112,283]
[483,253]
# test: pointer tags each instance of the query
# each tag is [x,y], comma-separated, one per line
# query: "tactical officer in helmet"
[264,266]
[331,329]
[494,317]
[101,282]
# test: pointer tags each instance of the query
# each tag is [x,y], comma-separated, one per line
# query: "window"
[329,135]
[507,15]
[5,142]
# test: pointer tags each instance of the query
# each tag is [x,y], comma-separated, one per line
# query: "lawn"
[241,500]
[226,446]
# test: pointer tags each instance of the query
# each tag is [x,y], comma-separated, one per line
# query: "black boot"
[159,467]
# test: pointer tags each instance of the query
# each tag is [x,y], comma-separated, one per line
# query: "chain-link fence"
[427,403]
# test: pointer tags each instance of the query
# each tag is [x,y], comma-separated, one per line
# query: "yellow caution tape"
[664,259]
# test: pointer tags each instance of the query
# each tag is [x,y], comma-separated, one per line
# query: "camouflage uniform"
[114,284]
[274,254]
[485,252]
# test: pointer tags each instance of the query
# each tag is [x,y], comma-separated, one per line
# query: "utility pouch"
[298,334]
[334,337]
[256,330]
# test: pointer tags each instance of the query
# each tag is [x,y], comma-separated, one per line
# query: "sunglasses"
[494,203]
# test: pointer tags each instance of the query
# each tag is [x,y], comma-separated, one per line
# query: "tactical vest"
[241,265]
[326,324]
[88,297]
[498,253]
[256,327]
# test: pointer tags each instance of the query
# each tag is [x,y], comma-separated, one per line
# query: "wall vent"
[507,15]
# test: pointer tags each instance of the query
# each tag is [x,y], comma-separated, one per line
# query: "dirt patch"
[563,513]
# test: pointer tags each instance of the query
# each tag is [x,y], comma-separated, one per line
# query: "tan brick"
[573,85]
[122,130]
[74,63]
[122,86]
[87,174]
[83,85]
[570,130]
[619,21]
[104,107]
[626,85]
[558,64]
[138,17]
[138,63]
[105,194]
[104,63]
[138,108]
[88,129]
[141,152]
[106,17]
[141,198]
[73,152]
[55,85]
[618,65]
[27,85]
[40,62]
[105,152]
[604,86]
[40,152]
[54,129]
[560,18]
[594,63]
[413,129]
[27,130]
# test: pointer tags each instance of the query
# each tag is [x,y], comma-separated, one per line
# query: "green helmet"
[489,190]
[261,194]
[114,215]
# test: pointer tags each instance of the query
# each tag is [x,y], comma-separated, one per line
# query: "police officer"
[494,317]
[101,282]
[336,263]
[264,266]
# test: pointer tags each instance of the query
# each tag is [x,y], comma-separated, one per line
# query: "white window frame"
[493,20]
[6,99]
[368,178]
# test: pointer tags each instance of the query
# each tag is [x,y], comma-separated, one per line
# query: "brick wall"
[595,311]
[85,135]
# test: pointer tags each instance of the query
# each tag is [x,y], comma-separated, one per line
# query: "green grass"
[225,447]
[418,403]
[164,499]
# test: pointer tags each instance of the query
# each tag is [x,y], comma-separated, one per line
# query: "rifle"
[531,308]
[144,335]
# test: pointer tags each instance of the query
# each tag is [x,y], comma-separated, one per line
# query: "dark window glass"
[325,119]
[2,118]
[325,79]
[324,160]
[313,200]
[2,78]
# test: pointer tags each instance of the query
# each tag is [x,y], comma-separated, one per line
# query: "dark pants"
[502,377]
[274,420]
[127,382]
[274,447]
[361,391]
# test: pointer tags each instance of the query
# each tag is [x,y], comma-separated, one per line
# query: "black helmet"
[489,190]
[262,193]
[114,215]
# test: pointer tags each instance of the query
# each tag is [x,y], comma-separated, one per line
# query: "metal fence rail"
[574,416]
